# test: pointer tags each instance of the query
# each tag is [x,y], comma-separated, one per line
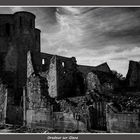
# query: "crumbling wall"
[88,110]
[52,78]
[93,82]
[132,77]
[70,81]
[45,61]
[101,82]
[75,109]
[64,78]
[66,122]
[123,123]
[2,102]
[38,109]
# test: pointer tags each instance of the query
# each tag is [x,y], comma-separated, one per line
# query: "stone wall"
[93,82]
[52,78]
[2,102]
[132,77]
[17,35]
[41,118]
[76,109]
[38,109]
[102,82]
[70,81]
[123,122]
[41,109]
[64,78]
[65,122]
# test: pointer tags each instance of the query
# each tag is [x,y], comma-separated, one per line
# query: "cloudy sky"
[93,35]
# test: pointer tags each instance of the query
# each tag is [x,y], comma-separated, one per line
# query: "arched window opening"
[43,61]
[63,64]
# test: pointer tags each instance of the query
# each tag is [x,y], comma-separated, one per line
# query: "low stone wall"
[39,118]
[65,122]
[61,122]
[77,107]
[123,122]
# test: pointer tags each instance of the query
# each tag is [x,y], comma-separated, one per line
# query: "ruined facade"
[18,35]
[86,69]
[133,76]
[40,85]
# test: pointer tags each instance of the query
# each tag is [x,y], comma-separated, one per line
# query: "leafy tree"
[118,75]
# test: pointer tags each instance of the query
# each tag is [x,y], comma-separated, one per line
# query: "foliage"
[118,75]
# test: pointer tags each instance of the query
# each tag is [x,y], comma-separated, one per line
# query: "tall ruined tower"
[18,35]
[26,38]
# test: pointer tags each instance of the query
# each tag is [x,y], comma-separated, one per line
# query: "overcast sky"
[92,35]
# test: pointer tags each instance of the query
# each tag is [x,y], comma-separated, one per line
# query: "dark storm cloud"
[113,25]
[92,34]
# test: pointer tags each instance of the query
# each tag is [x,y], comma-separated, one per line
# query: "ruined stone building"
[34,77]
[133,76]
[18,35]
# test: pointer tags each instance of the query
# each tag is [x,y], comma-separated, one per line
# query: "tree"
[118,75]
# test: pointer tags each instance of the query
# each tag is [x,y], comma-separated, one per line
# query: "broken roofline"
[105,63]
[87,66]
